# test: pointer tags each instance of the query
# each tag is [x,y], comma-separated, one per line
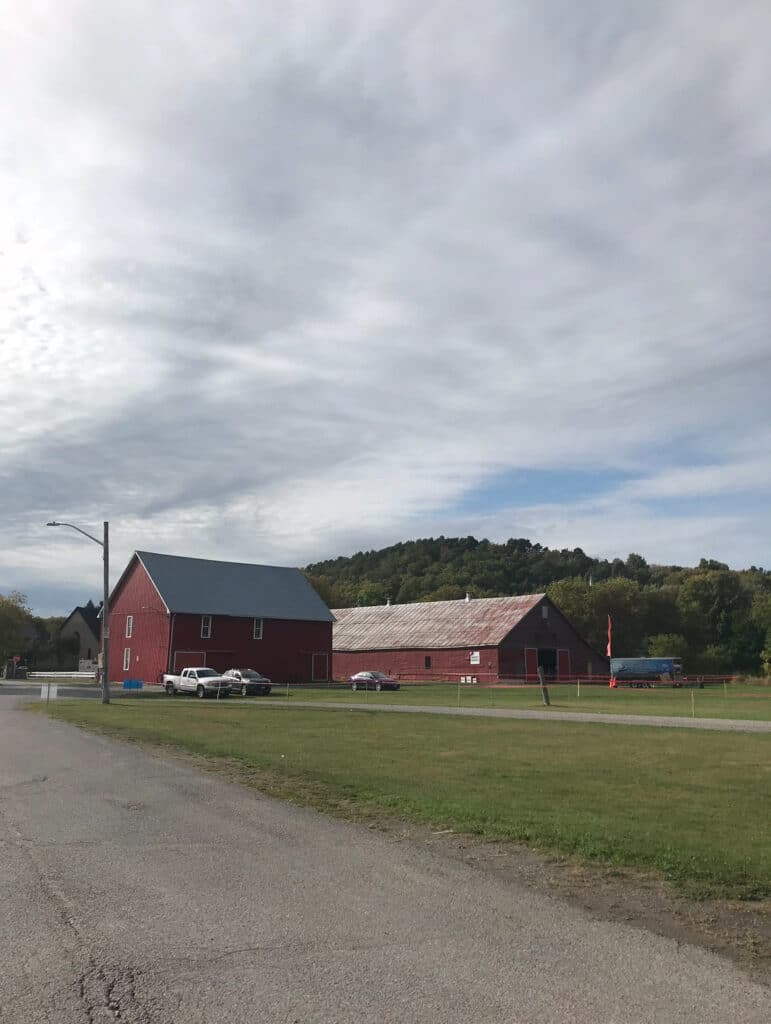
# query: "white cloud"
[281,282]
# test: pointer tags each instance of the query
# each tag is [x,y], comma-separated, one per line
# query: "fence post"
[544,688]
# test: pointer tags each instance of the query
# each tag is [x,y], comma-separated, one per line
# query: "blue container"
[645,668]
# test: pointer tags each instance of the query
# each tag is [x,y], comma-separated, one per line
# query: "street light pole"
[105,546]
[106,616]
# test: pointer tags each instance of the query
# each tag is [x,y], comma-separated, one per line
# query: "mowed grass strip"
[746,702]
[695,806]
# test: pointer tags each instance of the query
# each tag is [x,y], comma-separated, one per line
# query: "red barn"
[168,613]
[492,639]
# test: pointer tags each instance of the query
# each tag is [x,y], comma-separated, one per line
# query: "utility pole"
[105,546]
[106,617]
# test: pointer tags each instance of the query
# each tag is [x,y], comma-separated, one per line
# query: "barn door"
[531,664]
[188,659]
[563,664]
[320,668]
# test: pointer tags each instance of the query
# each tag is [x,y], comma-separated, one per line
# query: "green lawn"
[693,805]
[752,702]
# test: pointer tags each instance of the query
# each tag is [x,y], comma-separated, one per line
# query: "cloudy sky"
[283,280]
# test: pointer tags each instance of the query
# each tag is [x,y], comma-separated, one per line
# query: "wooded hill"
[715,618]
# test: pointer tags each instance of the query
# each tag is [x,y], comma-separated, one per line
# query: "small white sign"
[49,691]
[474,659]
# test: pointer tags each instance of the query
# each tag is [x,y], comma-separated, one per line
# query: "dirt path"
[661,721]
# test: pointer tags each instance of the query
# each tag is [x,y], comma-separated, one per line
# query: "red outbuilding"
[168,613]
[492,639]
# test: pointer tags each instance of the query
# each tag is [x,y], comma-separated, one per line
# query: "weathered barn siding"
[149,641]
[284,654]
[411,664]
[554,631]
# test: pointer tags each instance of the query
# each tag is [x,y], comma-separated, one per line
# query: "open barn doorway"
[547,660]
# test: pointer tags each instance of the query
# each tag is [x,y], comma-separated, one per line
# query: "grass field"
[734,702]
[694,806]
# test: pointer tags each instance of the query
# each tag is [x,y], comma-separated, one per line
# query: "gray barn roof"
[205,587]
[483,622]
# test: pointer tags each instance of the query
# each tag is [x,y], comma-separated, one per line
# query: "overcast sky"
[281,281]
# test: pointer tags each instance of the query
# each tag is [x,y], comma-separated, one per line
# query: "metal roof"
[482,622]
[201,586]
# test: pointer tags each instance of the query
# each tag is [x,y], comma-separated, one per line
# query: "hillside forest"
[716,619]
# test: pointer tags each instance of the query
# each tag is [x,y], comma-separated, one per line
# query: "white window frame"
[206,627]
[475,657]
[126,659]
[257,629]
[129,626]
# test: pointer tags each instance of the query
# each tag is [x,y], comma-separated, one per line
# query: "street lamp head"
[53,523]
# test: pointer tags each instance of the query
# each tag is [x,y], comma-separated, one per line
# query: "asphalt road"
[33,689]
[139,889]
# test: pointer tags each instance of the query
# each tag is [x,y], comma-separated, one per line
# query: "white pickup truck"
[203,682]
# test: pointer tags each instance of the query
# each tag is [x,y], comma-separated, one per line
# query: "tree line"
[715,618]
[33,638]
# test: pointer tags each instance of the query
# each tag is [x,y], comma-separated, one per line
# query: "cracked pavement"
[140,889]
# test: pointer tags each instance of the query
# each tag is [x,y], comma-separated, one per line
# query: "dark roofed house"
[82,625]
[169,612]
[490,639]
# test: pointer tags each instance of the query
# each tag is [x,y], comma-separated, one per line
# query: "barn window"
[428,661]
[129,626]
[545,611]
[126,659]
[206,627]
[257,630]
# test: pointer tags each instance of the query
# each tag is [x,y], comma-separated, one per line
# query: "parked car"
[246,681]
[203,682]
[374,681]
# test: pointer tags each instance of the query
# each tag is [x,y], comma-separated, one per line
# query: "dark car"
[247,681]
[373,681]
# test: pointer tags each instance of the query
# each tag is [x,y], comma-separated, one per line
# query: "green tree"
[573,598]
[622,600]
[637,569]
[669,645]
[446,592]
[15,625]
[716,613]
[371,593]
[761,616]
